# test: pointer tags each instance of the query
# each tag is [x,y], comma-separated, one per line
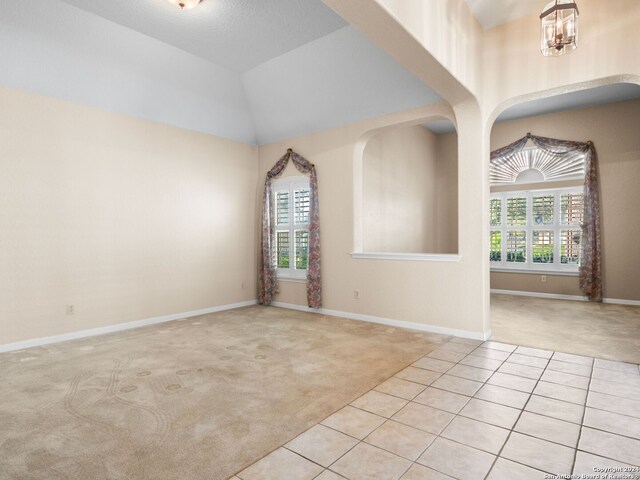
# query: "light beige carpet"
[195,399]
[593,329]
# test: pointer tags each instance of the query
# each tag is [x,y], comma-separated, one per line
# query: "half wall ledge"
[421,257]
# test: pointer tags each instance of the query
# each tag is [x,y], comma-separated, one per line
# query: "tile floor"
[474,410]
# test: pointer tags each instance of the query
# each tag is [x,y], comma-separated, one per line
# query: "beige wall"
[124,218]
[608,51]
[613,128]
[481,73]
[410,202]
[399,191]
[447,193]
[408,291]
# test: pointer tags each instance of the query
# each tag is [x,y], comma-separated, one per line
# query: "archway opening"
[536,219]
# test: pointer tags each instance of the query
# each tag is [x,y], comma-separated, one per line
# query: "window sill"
[561,273]
[422,257]
[292,279]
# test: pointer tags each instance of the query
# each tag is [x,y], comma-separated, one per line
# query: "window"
[292,203]
[536,230]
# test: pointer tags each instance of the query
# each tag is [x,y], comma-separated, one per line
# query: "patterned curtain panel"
[590,262]
[267,279]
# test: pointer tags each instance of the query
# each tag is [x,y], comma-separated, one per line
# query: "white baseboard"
[621,301]
[618,301]
[37,342]
[557,296]
[388,321]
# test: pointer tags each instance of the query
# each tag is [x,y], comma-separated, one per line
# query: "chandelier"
[559,28]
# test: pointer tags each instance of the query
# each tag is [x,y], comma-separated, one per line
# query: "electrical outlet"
[543,278]
[356,294]
[242,286]
[71,309]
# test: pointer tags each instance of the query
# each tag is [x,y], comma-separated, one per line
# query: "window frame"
[528,266]
[290,185]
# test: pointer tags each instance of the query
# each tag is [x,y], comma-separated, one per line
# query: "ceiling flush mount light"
[185,4]
[559,28]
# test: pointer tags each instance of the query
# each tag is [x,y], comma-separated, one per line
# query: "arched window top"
[533,164]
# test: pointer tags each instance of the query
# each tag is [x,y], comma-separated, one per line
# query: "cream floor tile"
[457,385]
[400,439]
[379,403]
[354,422]
[329,475]
[476,434]
[425,418]
[561,392]
[457,347]
[548,428]
[613,376]
[418,375]
[366,462]
[513,382]
[570,358]
[481,362]
[400,388]
[614,388]
[419,472]
[528,360]
[552,407]
[505,347]
[322,445]
[534,352]
[504,396]
[457,460]
[586,462]
[609,445]
[612,403]
[575,381]
[493,413]
[521,370]
[490,353]
[612,422]
[281,463]
[533,452]
[433,364]
[447,355]
[442,399]
[572,368]
[470,373]
[616,366]
[466,341]
[507,470]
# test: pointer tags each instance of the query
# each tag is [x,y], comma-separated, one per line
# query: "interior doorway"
[535,225]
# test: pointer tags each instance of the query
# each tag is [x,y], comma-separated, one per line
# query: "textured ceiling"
[570,101]
[491,13]
[336,80]
[265,70]
[591,97]
[310,71]
[235,34]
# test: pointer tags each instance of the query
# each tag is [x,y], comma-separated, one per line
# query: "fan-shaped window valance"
[551,166]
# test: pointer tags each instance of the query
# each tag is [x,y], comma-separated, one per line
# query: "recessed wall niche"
[410,189]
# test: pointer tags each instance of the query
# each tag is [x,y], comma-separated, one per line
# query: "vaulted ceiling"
[252,71]
[255,71]
[238,34]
